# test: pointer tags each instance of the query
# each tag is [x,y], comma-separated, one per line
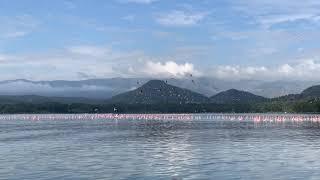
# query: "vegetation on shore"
[311,106]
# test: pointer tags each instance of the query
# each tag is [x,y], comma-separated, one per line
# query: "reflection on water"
[200,148]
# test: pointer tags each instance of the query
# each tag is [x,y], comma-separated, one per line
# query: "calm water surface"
[155,149]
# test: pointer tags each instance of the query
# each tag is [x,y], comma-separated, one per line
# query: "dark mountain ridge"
[157,91]
[313,91]
[234,96]
[108,87]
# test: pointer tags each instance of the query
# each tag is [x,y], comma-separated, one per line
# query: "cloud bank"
[301,70]
[83,62]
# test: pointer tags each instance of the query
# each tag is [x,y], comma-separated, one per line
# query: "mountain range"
[159,92]
[152,92]
[158,96]
[107,88]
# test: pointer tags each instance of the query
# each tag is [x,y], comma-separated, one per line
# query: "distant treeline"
[310,106]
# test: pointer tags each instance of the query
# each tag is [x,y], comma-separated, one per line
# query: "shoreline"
[256,117]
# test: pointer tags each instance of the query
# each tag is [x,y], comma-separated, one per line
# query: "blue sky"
[227,39]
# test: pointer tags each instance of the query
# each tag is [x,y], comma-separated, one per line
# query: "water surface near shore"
[199,148]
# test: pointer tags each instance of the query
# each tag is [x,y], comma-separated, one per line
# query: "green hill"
[234,96]
[313,91]
[159,92]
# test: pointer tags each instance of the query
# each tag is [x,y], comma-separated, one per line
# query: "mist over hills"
[92,88]
[33,99]
[106,88]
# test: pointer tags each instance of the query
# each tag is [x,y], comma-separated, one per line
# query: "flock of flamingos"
[170,117]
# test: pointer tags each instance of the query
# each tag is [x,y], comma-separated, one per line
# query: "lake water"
[158,149]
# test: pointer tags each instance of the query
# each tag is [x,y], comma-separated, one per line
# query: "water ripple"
[158,149]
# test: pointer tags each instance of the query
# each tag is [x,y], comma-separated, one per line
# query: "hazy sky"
[237,39]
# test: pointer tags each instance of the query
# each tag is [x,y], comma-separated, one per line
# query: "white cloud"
[232,35]
[4,57]
[180,18]
[169,69]
[271,12]
[302,70]
[78,62]
[138,1]
[96,51]
[67,63]
[238,72]
[285,69]
[271,20]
